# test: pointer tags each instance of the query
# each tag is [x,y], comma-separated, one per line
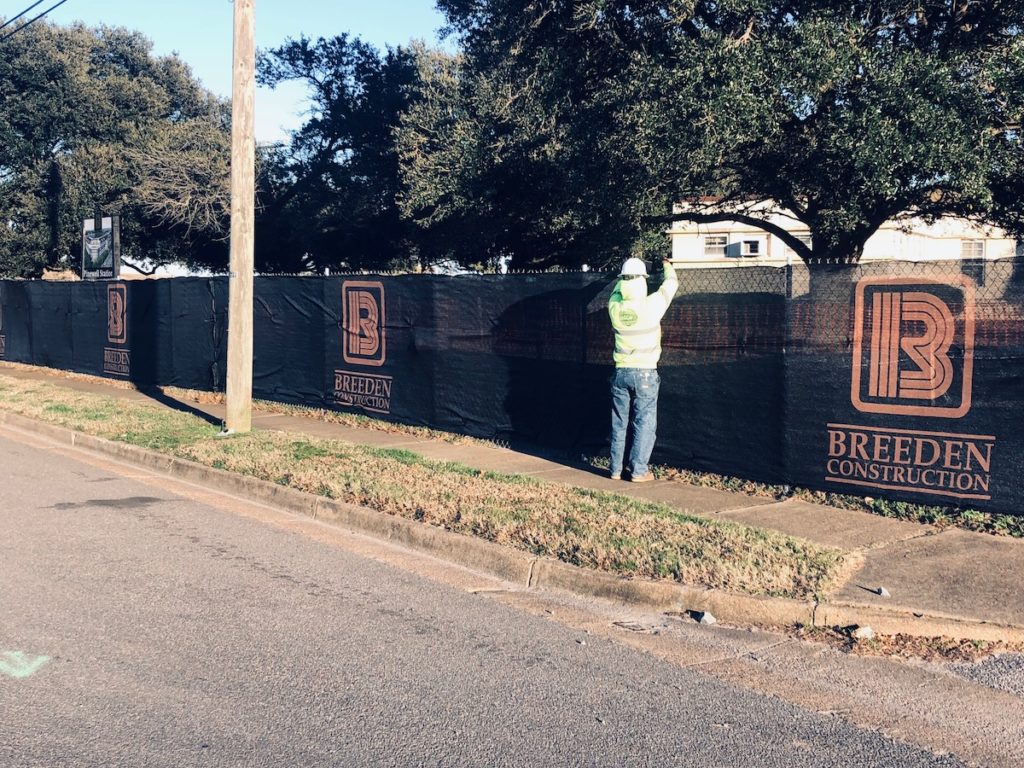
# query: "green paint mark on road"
[17,665]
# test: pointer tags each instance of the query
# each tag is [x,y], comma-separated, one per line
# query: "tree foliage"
[845,114]
[493,174]
[186,167]
[328,199]
[85,116]
[561,134]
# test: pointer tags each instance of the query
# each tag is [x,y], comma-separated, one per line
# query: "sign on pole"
[101,248]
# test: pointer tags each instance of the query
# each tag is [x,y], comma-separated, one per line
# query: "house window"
[715,245]
[804,238]
[750,248]
[972,249]
[972,260]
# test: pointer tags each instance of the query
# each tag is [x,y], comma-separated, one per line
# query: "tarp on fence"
[894,379]
[166,332]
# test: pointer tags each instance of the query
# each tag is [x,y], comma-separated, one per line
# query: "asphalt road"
[154,630]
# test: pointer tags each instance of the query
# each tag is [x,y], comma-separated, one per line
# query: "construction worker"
[636,318]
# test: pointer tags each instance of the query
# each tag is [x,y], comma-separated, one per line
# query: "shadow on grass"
[153,393]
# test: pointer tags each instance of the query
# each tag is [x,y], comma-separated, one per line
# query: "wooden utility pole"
[243,198]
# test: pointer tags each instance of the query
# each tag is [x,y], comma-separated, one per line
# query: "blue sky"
[200,32]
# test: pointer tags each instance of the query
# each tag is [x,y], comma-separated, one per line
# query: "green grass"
[302,449]
[937,515]
[112,418]
[584,527]
[940,516]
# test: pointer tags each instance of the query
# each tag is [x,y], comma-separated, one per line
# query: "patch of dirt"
[942,649]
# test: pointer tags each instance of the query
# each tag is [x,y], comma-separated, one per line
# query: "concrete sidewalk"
[931,574]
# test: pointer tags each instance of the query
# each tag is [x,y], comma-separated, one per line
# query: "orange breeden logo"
[117,305]
[117,360]
[913,355]
[363,336]
[913,347]
[363,344]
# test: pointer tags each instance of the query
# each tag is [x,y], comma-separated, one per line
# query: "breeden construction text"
[117,361]
[940,463]
[370,392]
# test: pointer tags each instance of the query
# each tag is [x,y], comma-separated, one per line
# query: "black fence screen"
[896,379]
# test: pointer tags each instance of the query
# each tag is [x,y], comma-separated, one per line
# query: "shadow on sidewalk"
[570,458]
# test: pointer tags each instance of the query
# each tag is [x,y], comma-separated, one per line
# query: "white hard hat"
[633,267]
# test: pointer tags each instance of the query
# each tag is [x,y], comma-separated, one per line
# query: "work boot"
[645,478]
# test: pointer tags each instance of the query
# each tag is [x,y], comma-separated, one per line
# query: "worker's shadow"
[555,350]
[721,376]
[511,361]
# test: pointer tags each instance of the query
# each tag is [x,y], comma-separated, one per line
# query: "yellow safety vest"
[636,318]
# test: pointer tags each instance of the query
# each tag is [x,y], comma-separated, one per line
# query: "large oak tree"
[845,113]
[90,118]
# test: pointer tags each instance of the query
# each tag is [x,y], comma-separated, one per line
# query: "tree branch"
[798,245]
[141,270]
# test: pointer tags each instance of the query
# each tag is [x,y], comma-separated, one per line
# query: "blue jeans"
[634,398]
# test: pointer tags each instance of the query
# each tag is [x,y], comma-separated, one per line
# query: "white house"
[731,244]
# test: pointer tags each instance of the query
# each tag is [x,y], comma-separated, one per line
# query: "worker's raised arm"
[669,285]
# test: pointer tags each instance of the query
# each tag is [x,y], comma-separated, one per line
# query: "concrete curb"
[891,621]
[529,571]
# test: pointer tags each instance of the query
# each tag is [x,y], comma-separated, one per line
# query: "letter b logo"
[363,338]
[117,313]
[913,347]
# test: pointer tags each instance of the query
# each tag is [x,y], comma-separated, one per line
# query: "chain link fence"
[889,378]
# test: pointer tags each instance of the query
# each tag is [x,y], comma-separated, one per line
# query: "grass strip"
[931,514]
[940,516]
[583,527]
